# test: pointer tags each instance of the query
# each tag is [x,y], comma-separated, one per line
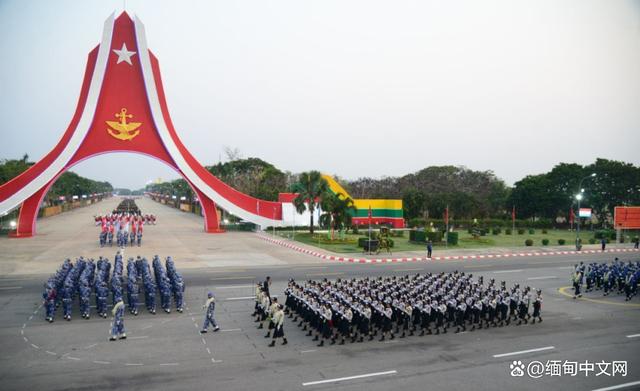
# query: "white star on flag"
[124,54]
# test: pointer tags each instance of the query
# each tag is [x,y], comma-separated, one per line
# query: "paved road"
[166,351]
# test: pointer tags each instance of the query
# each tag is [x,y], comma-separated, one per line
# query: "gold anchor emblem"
[123,130]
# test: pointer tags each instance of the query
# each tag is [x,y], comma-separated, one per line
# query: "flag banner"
[585,212]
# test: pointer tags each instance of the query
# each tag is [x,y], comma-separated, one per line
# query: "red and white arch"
[122,72]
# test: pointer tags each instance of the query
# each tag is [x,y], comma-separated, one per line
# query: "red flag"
[513,214]
[446,215]
[572,216]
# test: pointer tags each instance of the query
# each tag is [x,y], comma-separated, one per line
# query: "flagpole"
[369,230]
[513,225]
[446,234]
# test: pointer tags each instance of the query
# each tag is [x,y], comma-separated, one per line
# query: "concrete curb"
[329,257]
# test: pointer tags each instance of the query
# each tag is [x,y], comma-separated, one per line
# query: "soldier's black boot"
[309,333]
[382,338]
[403,335]
[333,341]
[370,338]
[321,343]
[268,335]
[422,332]
[284,341]
[314,339]
[260,326]
[272,344]
[341,342]
[304,328]
[392,336]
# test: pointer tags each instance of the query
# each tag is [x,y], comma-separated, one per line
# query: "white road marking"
[240,298]
[209,351]
[633,336]
[35,312]
[230,330]
[24,325]
[25,339]
[233,287]
[215,361]
[234,278]
[542,278]
[349,378]
[169,364]
[73,358]
[523,351]
[91,346]
[31,317]
[137,364]
[204,342]
[3,288]
[140,337]
[51,353]
[507,271]
[565,267]
[21,332]
[102,362]
[35,346]
[146,327]
[308,351]
[624,385]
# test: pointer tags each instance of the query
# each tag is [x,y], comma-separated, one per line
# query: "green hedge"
[520,231]
[561,242]
[545,242]
[528,242]
[362,241]
[532,231]
[423,236]
[452,238]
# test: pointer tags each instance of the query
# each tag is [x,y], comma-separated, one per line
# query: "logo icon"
[121,129]
[517,368]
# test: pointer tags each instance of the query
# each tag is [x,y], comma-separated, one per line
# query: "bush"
[354,229]
[435,237]
[544,231]
[545,242]
[397,234]
[417,236]
[520,231]
[532,231]
[496,231]
[561,242]
[507,231]
[452,238]
[592,241]
[528,242]
[605,233]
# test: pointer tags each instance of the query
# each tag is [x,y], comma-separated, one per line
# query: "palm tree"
[310,188]
[337,210]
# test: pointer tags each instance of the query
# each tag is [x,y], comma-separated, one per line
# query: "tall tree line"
[68,184]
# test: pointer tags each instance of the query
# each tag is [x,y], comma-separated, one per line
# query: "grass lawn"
[465,240]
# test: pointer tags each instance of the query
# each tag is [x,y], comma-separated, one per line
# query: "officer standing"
[210,307]
[429,249]
[118,320]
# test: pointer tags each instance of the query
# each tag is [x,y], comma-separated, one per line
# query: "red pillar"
[210,214]
[26,224]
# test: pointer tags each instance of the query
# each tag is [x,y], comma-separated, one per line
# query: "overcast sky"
[354,88]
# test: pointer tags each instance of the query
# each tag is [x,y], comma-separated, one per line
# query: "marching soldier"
[210,307]
[118,320]
[278,331]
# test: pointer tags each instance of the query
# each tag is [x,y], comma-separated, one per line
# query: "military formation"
[355,309]
[75,281]
[610,278]
[126,228]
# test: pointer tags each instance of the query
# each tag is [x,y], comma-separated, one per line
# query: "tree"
[413,203]
[615,184]
[337,210]
[310,188]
